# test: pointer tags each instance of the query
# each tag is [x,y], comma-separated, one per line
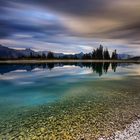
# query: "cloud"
[68,24]
[99,18]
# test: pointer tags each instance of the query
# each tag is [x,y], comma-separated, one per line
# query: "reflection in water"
[96,67]
[67,102]
[114,66]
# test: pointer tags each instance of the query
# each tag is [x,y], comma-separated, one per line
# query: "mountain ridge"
[7,53]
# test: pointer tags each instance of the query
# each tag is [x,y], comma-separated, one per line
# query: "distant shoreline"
[65,61]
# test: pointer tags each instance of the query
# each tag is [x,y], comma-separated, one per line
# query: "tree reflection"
[106,67]
[99,68]
[114,66]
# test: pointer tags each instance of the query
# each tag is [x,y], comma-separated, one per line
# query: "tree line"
[97,54]
[101,54]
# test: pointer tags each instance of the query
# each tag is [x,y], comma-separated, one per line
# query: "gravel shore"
[132,132]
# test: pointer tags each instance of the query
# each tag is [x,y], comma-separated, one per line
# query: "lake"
[67,101]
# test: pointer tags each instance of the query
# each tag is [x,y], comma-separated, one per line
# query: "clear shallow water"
[67,101]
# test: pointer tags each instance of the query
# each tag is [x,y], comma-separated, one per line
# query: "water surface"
[67,100]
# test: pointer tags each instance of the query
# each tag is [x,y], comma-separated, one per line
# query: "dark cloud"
[71,7]
[76,7]
[4,34]
[9,28]
[124,13]
[76,19]
[127,31]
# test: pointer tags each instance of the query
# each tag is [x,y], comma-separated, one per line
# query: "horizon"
[71,27]
[110,52]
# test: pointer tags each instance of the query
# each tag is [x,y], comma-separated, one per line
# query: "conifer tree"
[50,55]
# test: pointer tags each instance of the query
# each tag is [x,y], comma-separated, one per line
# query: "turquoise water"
[72,94]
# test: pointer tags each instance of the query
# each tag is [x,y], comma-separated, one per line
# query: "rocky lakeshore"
[87,108]
[131,132]
[77,117]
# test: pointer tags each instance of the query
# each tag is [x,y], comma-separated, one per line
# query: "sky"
[71,26]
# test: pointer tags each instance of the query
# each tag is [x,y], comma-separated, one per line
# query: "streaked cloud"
[71,26]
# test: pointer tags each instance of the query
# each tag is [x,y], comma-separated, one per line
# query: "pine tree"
[43,56]
[106,54]
[114,55]
[94,54]
[99,52]
[50,55]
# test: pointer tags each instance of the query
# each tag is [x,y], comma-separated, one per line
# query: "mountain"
[55,54]
[43,52]
[27,52]
[58,55]
[79,55]
[135,58]
[6,52]
[124,56]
